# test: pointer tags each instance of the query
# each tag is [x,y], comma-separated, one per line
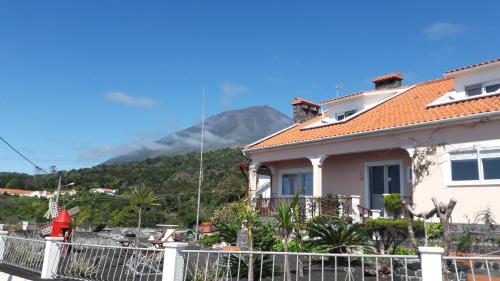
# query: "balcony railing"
[338,205]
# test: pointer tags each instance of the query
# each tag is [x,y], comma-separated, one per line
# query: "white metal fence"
[99,262]
[242,265]
[23,253]
[472,268]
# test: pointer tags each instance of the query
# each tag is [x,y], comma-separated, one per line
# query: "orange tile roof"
[304,101]
[388,76]
[15,191]
[472,66]
[407,108]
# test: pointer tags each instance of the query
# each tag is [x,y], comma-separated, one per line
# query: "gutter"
[268,137]
[382,131]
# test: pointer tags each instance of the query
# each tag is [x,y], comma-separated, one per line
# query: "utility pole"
[200,179]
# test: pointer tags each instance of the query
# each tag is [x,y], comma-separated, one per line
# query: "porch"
[328,183]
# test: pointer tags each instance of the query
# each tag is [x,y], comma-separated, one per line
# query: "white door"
[383,179]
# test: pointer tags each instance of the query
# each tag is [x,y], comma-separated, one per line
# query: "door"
[383,179]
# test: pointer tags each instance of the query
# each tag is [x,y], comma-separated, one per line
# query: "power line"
[24,157]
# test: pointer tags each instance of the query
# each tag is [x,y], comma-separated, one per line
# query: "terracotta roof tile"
[472,66]
[388,76]
[304,101]
[407,108]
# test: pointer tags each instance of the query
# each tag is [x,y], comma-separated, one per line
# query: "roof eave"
[381,131]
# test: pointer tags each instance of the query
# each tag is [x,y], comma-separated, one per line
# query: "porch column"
[317,163]
[252,179]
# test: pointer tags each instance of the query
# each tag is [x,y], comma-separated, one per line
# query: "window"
[343,115]
[295,182]
[475,165]
[474,90]
[464,166]
[493,88]
[491,164]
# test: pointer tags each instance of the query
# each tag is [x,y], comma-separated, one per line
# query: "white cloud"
[230,91]
[119,97]
[443,30]
[109,151]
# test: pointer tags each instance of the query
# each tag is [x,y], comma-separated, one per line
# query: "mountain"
[235,128]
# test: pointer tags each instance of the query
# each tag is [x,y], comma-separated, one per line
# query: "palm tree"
[141,197]
[287,218]
[251,216]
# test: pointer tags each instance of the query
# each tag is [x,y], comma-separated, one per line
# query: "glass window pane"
[340,117]
[377,179]
[395,179]
[287,185]
[307,183]
[463,170]
[473,90]
[350,112]
[492,88]
[491,168]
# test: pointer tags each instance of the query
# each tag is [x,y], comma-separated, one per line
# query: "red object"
[61,225]
[206,227]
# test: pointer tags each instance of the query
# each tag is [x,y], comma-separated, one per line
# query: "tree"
[142,197]
[287,217]
[251,216]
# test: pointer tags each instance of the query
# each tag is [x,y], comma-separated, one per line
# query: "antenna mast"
[200,179]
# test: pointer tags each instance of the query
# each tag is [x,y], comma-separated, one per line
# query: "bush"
[402,251]
[393,205]
[434,231]
[278,246]
[465,243]
[210,240]
[388,234]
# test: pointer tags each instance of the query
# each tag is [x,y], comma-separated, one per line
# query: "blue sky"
[81,81]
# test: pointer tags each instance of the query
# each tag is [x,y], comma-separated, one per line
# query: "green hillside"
[174,179]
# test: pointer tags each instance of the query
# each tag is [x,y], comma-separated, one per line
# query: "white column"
[3,234]
[431,262]
[173,262]
[355,200]
[252,179]
[51,257]
[317,163]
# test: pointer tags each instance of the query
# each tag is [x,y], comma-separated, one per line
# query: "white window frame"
[483,88]
[481,181]
[383,163]
[293,171]
[344,114]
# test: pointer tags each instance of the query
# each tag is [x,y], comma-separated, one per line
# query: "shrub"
[278,246]
[465,243]
[210,240]
[434,231]
[401,250]
[393,205]
[388,234]
[339,237]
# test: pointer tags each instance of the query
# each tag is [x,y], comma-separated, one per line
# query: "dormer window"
[474,90]
[343,115]
[482,88]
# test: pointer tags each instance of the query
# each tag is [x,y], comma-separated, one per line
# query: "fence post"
[355,200]
[173,262]
[3,234]
[375,213]
[51,257]
[431,262]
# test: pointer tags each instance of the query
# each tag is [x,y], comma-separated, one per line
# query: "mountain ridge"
[233,128]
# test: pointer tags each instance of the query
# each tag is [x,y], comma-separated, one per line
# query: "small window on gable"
[493,88]
[343,115]
[474,90]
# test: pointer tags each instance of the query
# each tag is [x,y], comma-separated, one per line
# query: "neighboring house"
[363,143]
[107,191]
[25,193]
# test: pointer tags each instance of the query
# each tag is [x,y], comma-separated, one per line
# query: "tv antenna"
[200,179]
[338,87]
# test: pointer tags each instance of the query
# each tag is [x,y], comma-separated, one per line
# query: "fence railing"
[99,262]
[234,266]
[472,268]
[23,253]
[330,204]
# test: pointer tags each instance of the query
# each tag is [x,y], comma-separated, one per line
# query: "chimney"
[304,110]
[388,81]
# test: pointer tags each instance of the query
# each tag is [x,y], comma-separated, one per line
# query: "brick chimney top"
[388,81]
[304,110]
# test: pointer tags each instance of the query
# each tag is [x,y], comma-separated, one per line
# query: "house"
[25,193]
[103,190]
[361,144]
